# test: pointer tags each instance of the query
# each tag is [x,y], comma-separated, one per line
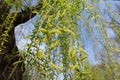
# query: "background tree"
[108,55]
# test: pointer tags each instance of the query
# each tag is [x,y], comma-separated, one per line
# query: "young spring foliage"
[58,32]
[63,52]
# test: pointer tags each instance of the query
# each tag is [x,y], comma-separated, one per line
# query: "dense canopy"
[57,44]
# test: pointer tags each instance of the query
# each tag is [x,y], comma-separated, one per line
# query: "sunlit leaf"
[82,51]
[36,12]
[83,58]
[28,37]
[70,31]
[42,30]
[40,54]
[71,52]
[55,31]
[55,66]
[56,43]
[75,66]
[36,41]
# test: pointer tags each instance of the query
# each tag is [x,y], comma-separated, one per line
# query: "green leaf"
[36,41]
[55,66]
[83,58]
[40,54]
[28,37]
[55,31]
[42,30]
[75,66]
[72,52]
[56,43]
[82,51]
[18,62]
[69,31]
[9,2]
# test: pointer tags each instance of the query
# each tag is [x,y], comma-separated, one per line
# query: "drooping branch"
[9,53]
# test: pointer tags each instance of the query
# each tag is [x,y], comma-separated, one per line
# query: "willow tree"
[58,29]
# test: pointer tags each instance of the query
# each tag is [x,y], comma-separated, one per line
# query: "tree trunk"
[9,53]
